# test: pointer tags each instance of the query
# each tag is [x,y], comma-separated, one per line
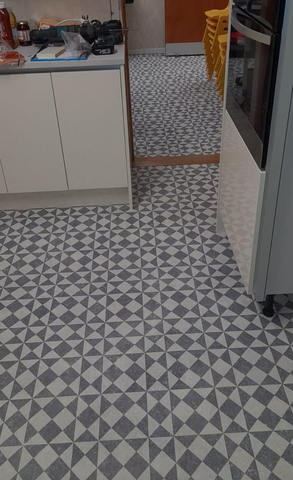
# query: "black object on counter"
[113,27]
[90,31]
[102,47]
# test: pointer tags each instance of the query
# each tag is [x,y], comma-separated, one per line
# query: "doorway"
[176,112]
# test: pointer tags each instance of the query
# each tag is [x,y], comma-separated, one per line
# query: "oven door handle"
[249,32]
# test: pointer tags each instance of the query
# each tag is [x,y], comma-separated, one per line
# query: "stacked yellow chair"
[221,63]
[217,24]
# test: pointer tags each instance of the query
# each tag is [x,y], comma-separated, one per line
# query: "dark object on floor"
[238,81]
[268,309]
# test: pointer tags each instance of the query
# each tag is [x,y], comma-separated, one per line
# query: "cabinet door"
[89,108]
[30,147]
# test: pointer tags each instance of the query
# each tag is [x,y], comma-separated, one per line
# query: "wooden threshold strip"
[181,160]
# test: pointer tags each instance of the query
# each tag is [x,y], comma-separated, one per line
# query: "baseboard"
[143,51]
[65,199]
[180,160]
[193,48]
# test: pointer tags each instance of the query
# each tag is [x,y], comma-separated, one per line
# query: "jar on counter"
[23,30]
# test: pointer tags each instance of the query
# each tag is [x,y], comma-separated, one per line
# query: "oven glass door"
[269,12]
[250,81]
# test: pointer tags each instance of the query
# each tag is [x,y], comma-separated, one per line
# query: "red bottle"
[5,27]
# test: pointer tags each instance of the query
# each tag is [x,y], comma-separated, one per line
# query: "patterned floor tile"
[123,459]
[125,373]
[159,414]
[202,456]
[163,458]
[172,121]
[129,348]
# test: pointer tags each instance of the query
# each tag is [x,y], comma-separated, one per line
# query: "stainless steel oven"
[251,80]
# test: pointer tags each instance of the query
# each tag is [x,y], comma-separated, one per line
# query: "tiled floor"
[176,111]
[129,349]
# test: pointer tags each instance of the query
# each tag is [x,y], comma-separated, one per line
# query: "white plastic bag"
[75,44]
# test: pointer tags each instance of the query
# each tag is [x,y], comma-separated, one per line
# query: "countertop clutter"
[93,62]
[80,40]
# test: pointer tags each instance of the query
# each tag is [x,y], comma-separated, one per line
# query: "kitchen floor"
[176,111]
[129,348]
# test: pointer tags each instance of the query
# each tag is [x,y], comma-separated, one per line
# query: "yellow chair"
[215,14]
[207,41]
[222,29]
[222,48]
[217,24]
[221,63]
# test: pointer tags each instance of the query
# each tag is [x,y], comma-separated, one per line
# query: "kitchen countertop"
[92,63]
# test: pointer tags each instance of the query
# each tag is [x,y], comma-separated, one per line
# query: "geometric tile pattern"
[129,348]
[175,110]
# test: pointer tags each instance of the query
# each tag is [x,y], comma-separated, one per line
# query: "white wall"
[26,9]
[148,16]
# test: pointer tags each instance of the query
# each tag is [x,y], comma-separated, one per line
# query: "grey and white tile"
[176,111]
[129,348]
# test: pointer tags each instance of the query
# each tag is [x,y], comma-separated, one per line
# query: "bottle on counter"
[23,30]
[13,26]
[5,27]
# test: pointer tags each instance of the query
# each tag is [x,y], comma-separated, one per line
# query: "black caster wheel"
[268,309]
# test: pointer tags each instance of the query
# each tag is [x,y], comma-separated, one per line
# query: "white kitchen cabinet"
[30,147]
[90,116]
